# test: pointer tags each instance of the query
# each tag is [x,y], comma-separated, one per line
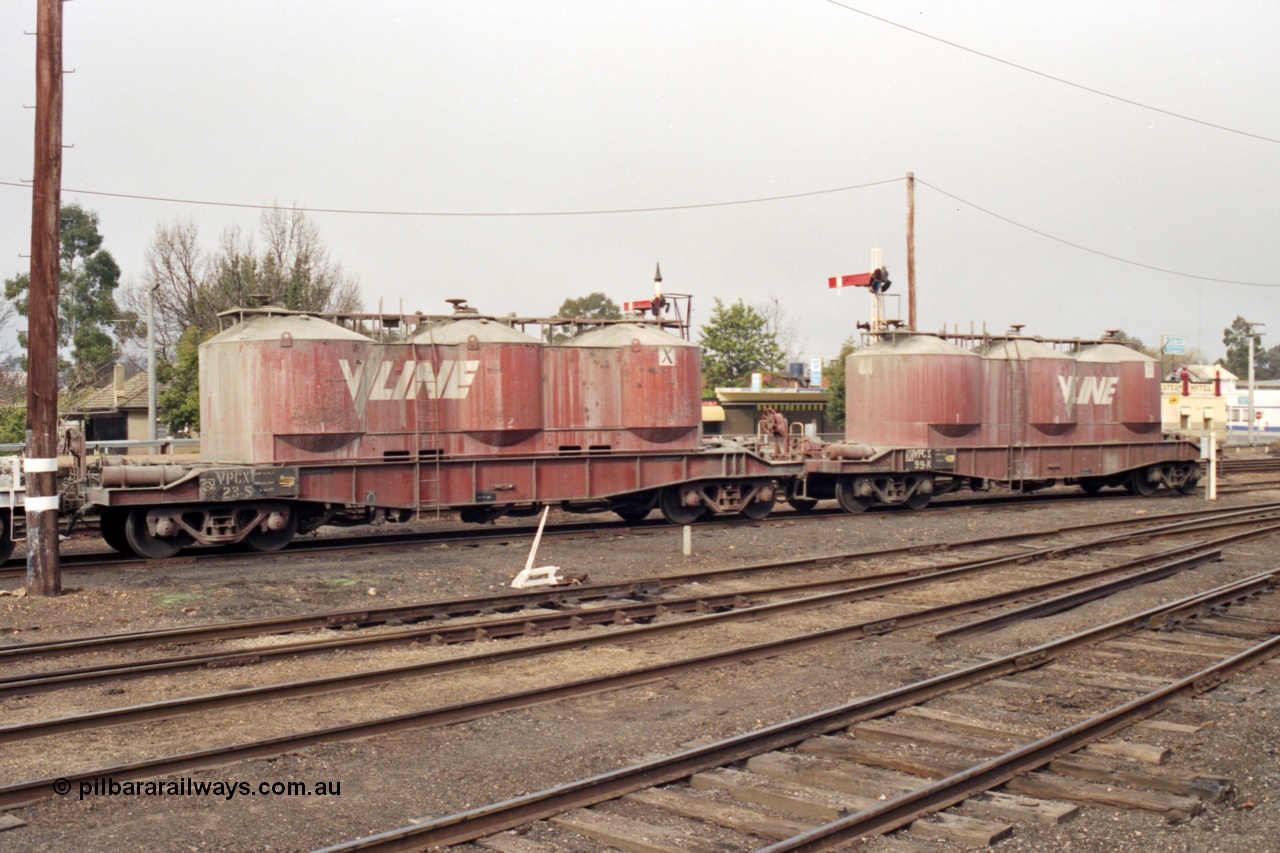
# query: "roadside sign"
[1175,345]
[815,373]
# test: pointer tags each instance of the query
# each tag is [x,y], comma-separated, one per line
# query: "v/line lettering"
[1095,390]
[452,380]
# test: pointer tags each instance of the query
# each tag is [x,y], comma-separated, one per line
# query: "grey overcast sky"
[497,106]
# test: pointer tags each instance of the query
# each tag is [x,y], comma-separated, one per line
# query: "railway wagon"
[926,416]
[306,422]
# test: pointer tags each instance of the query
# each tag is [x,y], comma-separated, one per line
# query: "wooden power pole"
[44,576]
[911,250]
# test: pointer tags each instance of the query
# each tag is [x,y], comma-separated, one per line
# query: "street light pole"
[1252,417]
[1253,336]
[151,365]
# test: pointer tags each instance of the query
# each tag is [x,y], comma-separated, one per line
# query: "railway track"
[827,778]
[576,596]
[1253,486]
[1081,586]
[1249,465]
[731,606]
[15,567]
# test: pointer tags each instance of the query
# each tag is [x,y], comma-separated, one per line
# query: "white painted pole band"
[41,504]
[40,466]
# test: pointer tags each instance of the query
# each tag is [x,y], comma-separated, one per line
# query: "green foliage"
[593,306]
[13,424]
[191,286]
[15,290]
[87,307]
[735,343]
[178,406]
[836,386]
[293,269]
[91,349]
[1266,363]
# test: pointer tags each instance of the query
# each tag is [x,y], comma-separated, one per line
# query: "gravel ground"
[388,781]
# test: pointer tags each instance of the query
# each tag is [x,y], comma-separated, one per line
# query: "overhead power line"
[1048,236]
[465,214]
[1061,80]
[359,212]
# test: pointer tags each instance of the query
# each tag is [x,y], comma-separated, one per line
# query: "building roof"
[773,395]
[132,396]
[1206,372]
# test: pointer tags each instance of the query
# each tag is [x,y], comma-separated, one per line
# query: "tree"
[1266,363]
[1123,337]
[178,406]
[86,296]
[736,342]
[294,268]
[593,306]
[836,385]
[1270,364]
[13,424]
[13,389]
[783,328]
[192,286]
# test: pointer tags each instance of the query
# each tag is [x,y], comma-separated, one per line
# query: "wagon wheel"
[273,540]
[483,514]
[799,504]
[112,521]
[849,501]
[632,513]
[1138,484]
[637,510]
[146,544]
[758,509]
[1190,485]
[918,500]
[6,537]
[674,509]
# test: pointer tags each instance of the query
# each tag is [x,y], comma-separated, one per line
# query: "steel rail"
[18,794]
[486,820]
[612,614]
[1248,464]
[452,714]
[535,624]
[1070,600]
[903,809]
[335,619]
[500,601]
[313,687]
[15,567]
[1256,486]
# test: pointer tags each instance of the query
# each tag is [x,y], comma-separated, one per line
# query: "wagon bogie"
[157,532]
